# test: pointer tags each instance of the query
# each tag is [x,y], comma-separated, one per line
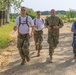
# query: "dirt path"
[63,58]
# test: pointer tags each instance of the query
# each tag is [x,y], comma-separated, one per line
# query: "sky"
[44,5]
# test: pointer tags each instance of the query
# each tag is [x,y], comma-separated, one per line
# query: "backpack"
[23,23]
[35,21]
[26,22]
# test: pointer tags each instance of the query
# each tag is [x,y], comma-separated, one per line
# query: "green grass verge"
[5,37]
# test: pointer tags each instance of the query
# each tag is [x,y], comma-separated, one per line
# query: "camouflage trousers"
[74,43]
[23,45]
[38,39]
[53,40]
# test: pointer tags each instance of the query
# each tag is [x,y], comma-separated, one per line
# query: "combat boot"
[51,59]
[38,54]
[23,62]
[36,47]
[75,56]
[27,58]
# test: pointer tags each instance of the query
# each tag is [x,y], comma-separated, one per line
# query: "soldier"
[73,29]
[38,32]
[23,23]
[54,23]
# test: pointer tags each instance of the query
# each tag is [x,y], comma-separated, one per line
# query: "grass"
[5,37]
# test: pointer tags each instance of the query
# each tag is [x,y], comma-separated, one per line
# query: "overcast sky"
[44,5]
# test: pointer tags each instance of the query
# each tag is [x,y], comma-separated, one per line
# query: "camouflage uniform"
[53,34]
[23,45]
[38,39]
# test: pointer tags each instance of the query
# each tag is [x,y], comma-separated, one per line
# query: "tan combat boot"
[23,62]
[51,59]
[27,58]
[36,47]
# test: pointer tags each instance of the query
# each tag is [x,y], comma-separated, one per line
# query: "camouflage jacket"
[52,21]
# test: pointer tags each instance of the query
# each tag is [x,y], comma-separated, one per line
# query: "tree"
[31,12]
[71,13]
[8,4]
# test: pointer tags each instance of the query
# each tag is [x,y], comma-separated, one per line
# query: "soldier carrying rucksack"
[38,32]
[23,23]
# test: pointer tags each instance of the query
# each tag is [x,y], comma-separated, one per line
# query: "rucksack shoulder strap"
[27,21]
[43,20]
[19,20]
[35,21]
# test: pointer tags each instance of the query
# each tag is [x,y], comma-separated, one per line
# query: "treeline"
[57,12]
[70,16]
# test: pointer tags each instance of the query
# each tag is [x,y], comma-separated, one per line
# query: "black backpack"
[26,22]
[35,21]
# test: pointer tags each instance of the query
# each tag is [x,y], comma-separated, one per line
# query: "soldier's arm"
[73,28]
[16,24]
[46,23]
[32,27]
[61,24]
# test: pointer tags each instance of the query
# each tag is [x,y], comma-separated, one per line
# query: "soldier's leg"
[74,51]
[36,40]
[74,46]
[51,45]
[40,39]
[19,46]
[20,42]
[26,48]
[51,50]
[56,41]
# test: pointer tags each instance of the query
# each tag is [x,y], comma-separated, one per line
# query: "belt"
[23,34]
[38,30]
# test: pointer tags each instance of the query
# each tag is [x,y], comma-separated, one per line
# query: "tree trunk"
[8,15]
[4,17]
[1,18]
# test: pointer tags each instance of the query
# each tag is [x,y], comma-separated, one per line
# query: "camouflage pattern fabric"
[53,34]
[38,38]
[23,45]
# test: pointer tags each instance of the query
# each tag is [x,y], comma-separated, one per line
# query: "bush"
[12,20]
[5,34]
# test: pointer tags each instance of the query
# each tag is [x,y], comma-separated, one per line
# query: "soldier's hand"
[36,27]
[56,27]
[49,27]
[31,34]
[15,28]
